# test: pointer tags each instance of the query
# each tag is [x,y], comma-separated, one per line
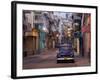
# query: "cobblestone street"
[48,59]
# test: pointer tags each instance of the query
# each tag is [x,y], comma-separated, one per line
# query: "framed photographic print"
[50,39]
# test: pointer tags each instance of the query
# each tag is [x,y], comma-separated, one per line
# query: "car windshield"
[65,47]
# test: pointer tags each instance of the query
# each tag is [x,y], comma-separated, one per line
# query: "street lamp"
[57,35]
[45,29]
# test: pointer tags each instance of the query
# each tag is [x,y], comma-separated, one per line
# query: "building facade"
[30,34]
[86,33]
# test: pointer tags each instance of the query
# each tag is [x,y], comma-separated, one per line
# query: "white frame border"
[51,71]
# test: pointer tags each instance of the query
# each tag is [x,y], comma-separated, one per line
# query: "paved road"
[48,58]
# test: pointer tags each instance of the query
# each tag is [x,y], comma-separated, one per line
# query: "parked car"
[66,53]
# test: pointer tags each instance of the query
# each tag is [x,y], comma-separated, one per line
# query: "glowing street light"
[57,35]
[45,29]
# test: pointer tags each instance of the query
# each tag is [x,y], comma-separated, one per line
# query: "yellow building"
[30,42]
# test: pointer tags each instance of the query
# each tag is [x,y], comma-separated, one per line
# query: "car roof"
[64,45]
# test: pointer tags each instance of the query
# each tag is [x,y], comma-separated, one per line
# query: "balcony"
[33,33]
[38,21]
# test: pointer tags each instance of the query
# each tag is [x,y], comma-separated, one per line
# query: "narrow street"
[51,30]
[48,59]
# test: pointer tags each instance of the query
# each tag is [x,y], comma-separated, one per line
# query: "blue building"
[42,36]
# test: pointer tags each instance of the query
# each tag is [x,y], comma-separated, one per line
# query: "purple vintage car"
[66,53]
